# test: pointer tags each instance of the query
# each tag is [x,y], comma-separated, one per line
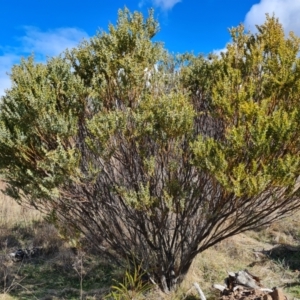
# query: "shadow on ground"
[57,272]
[54,277]
[289,257]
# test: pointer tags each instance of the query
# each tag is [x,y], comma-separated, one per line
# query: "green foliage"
[39,117]
[114,63]
[255,95]
[41,113]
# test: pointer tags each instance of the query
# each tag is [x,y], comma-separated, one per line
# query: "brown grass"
[6,297]
[11,213]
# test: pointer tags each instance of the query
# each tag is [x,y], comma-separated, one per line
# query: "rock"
[267,297]
[243,285]
[277,294]
[20,254]
[244,278]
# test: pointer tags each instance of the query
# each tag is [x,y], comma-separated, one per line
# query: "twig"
[219,287]
[201,294]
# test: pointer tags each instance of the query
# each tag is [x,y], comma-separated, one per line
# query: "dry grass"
[262,252]
[277,267]
[11,213]
[6,297]
[24,227]
[52,275]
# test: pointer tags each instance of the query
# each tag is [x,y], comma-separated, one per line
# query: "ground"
[61,272]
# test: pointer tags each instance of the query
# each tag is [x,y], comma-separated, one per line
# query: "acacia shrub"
[151,157]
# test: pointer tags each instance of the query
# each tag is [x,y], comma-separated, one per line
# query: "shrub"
[156,158]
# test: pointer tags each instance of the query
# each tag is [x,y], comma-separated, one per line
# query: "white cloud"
[219,51]
[163,4]
[287,11]
[52,42]
[41,43]
[6,62]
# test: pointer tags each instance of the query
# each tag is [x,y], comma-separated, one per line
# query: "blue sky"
[46,28]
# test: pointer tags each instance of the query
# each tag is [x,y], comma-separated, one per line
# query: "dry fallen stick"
[266,290]
[219,287]
[201,294]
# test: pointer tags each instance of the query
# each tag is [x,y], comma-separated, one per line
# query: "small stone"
[226,292]
[267,297]
[277,294]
